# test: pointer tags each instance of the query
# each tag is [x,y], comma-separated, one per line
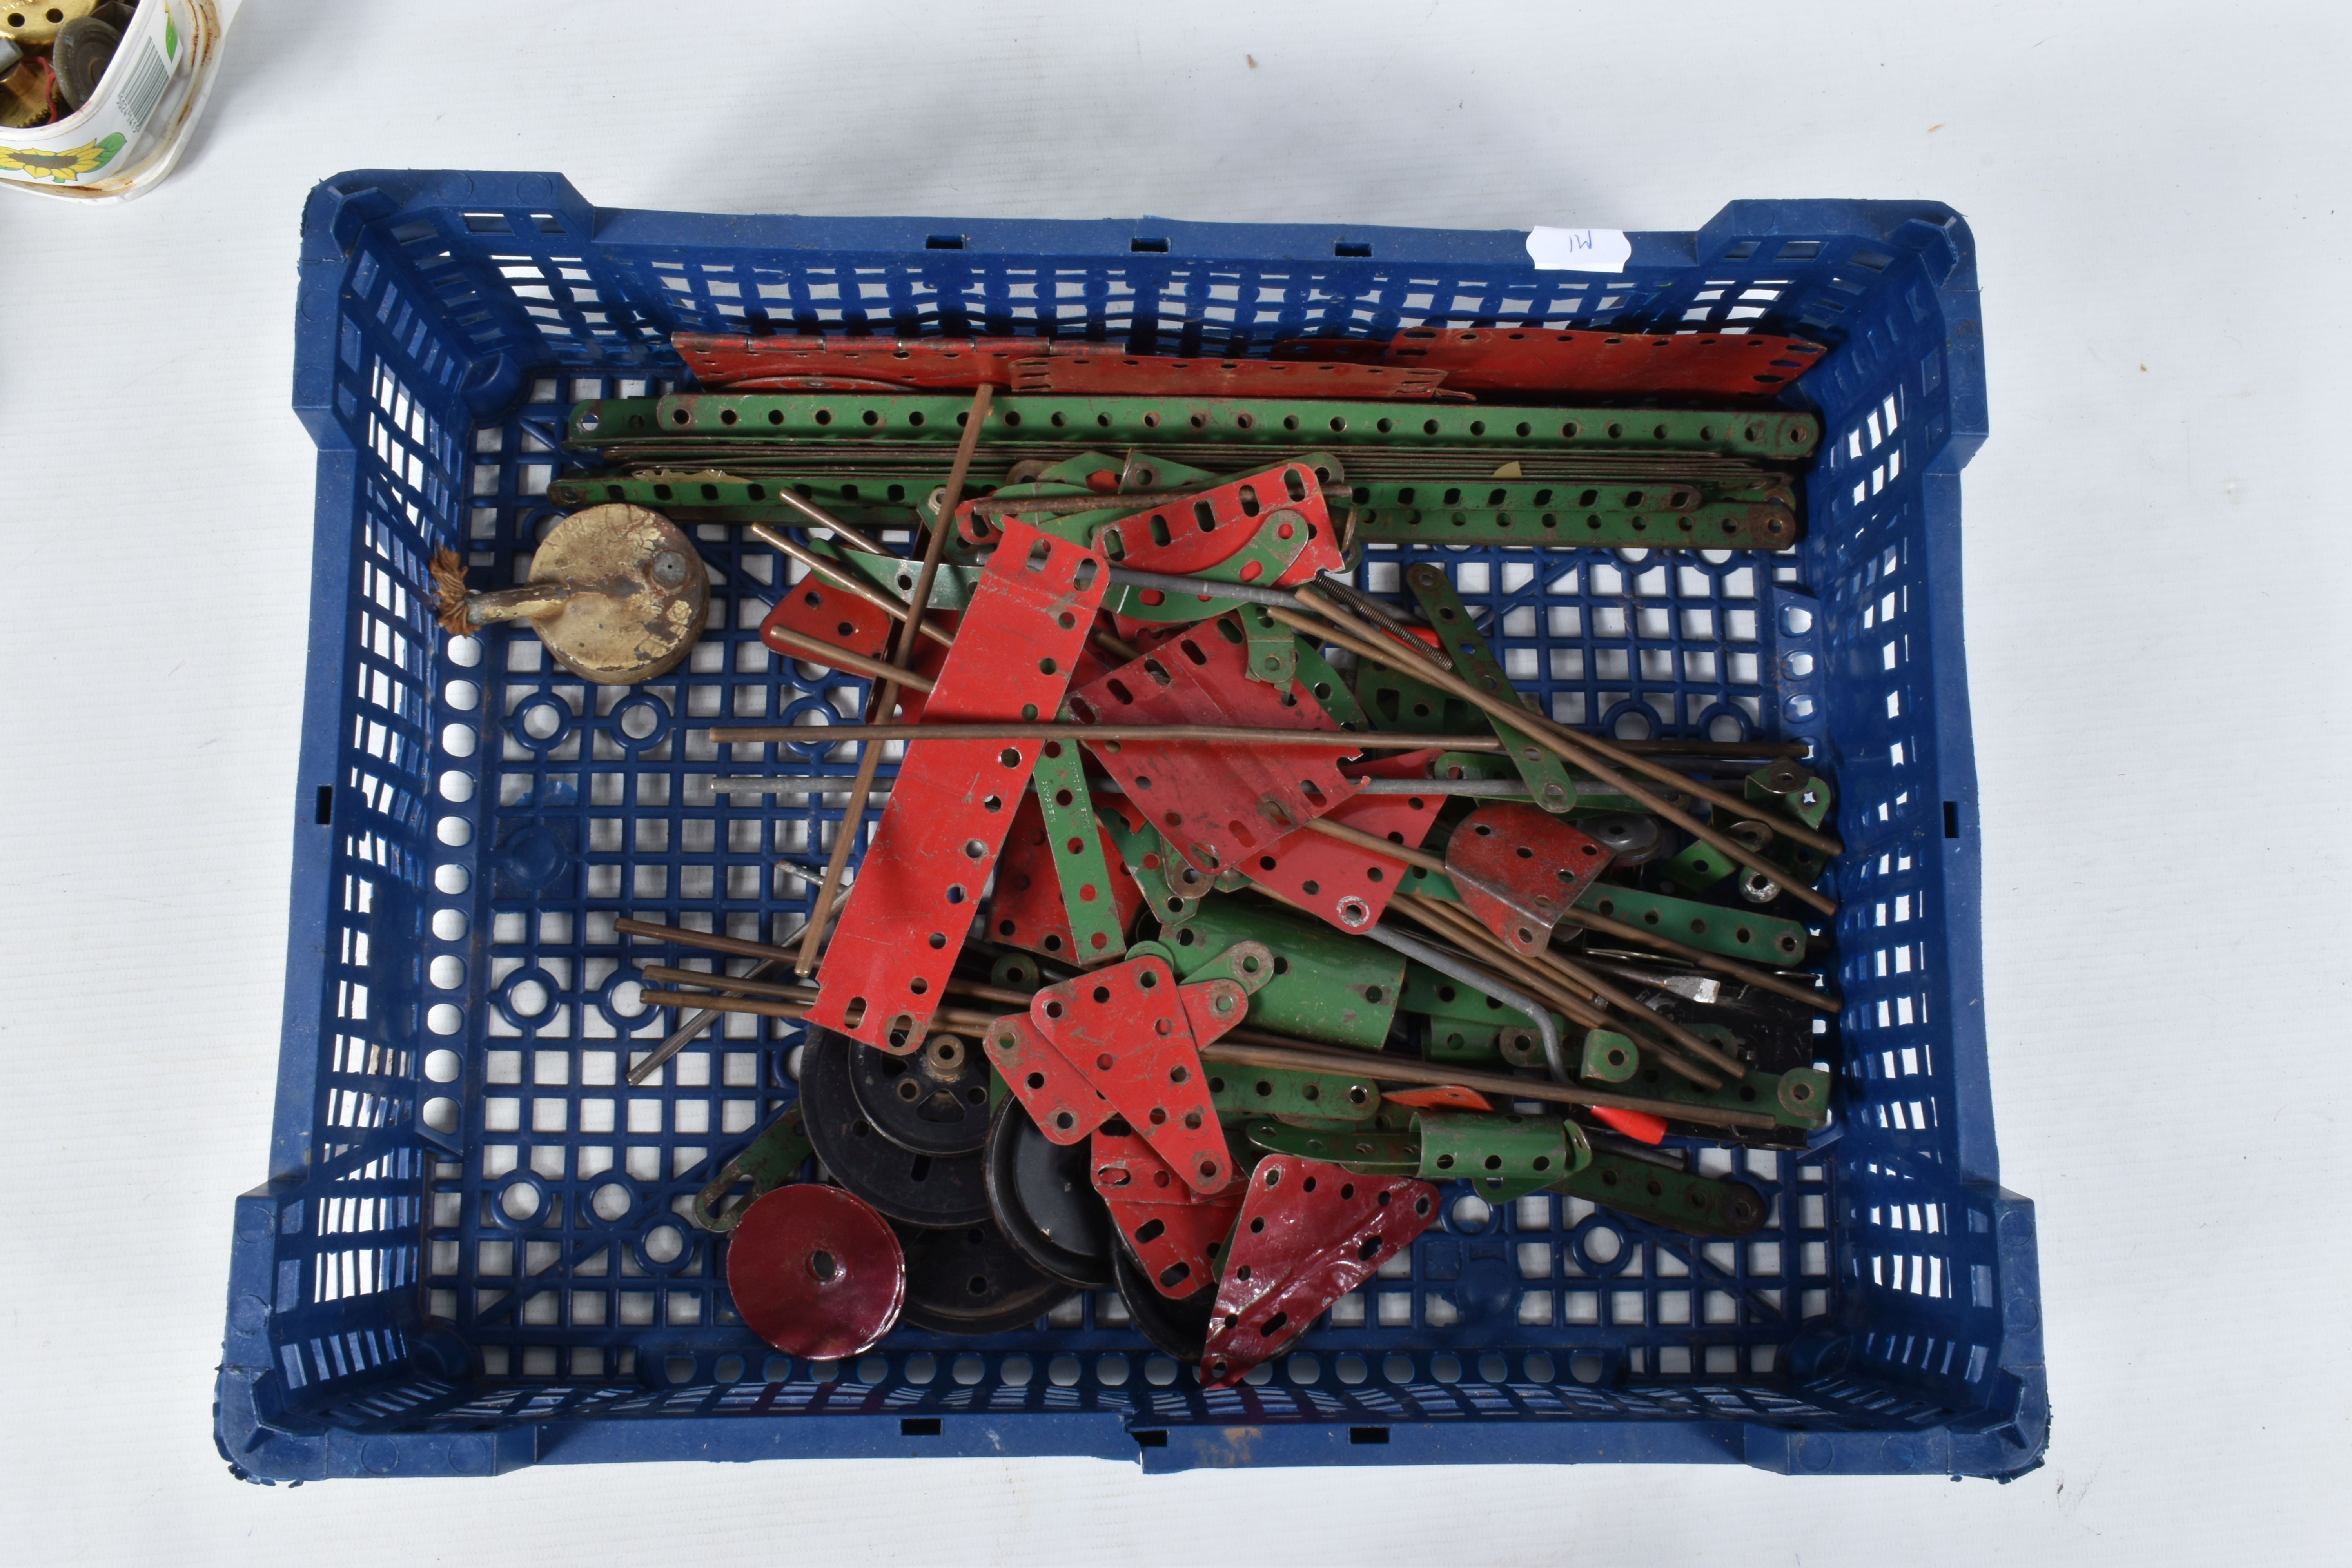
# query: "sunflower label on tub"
[128,132]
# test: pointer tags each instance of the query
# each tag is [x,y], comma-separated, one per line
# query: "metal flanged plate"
[1519,869]
[933,1102]
[1044,1201]
[918,1189]
[638,595]
[816,1272]
[969,1281]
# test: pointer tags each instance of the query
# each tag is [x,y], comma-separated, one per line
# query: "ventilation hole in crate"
[440,1115]
[663,1243]
[1586,1367]
[443,1066]
[443,1020]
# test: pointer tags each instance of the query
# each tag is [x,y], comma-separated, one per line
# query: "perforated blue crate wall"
[469,1255]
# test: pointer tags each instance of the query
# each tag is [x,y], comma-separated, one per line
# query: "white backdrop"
[2156,566]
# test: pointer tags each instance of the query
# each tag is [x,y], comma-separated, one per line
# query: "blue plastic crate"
[470,821]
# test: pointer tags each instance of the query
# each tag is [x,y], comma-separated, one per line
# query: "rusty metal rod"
[952,1017]
[853,819]
[1376,843]
[820,517]
[824,652]
[1243,1047]
[1562,742]
[1187,734]
[846,582]
[742,947]
[1058,506]
[1789,828]
[693,1025]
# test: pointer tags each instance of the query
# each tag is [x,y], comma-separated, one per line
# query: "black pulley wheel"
[916,1189]
[1044,1201]
[1179,1328]
[932,1102]
[969,1281]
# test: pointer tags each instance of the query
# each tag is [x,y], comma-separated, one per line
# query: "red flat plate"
[1216,805]
[1309,1234]
[952,801]
[827,615]
[1026,909]
[1176,1234]
[1341,882]
[1124,1026]
[1581,363]
[1059,1099]
[1519,869]
[816,1272]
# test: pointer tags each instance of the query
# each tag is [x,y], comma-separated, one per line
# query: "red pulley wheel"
[817,1273]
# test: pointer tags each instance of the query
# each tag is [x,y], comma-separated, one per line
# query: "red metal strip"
[1055,1094]
[1581,363]
[1519,869]
[1026,909]
[1092,373]
[1216,805]
[911,907]
[1309,1234]
[1124,1026]
[1177,1235]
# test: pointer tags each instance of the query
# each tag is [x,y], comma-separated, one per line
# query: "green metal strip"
[1546,777]
[1776,434]
[1437,995]
[1719,525]
[1366,1153]
[1280,1091]
[894,494]
[1147,857]
[768,1161]
[1327,985]
[1651,497]
[1736,934]
[1078,859]
[1800,1097]
[1502,1156]
[1697,1205]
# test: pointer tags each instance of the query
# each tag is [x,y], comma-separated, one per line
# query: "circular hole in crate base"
[1586,1367]
[440,1115]
[443,1066]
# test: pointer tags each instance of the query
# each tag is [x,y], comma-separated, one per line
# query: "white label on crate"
[1579,249]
